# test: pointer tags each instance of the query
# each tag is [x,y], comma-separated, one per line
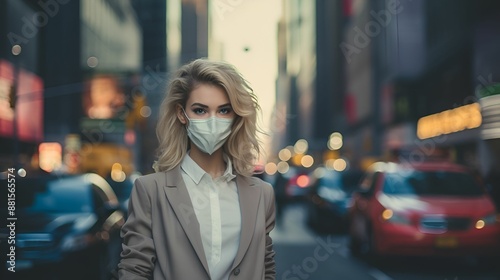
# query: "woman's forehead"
[209,95]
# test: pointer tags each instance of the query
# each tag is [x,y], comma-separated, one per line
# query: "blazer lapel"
[180,201]
[249,197]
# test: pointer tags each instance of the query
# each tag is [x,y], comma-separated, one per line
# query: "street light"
[335,141]
[16,50]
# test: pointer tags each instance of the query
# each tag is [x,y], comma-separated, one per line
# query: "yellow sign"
[100,158]
[449,121]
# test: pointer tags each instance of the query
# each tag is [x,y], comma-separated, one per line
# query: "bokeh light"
[319,172]
[16,50]
[145,111]
[303,181]
[329,163]
[283,167]
[285,154]
[340,164]
[117,173]
[301,146]
[307,161]
[21,172]
[92,62]
[335,141]
[271,168]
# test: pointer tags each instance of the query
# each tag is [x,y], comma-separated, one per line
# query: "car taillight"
[303,181]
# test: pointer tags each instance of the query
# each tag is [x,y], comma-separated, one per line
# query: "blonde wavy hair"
[242,145]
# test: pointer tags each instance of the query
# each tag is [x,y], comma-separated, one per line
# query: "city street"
[376,122]
[303,254]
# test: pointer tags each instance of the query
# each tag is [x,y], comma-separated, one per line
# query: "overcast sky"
[247,31]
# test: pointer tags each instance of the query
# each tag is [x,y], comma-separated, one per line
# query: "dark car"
[330,198]
[292,186]
[297,184]
[122,190]
[65,226]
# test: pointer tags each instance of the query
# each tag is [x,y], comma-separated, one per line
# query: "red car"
[423,209]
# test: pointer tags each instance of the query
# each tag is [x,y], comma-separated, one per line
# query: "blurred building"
[90,76]
[194,26]
[486,82]
[98,68]
[21,84]
[156,26]
[328,111]
[152,18]
[282,115]
[173,32]
[297,71]
[310,77]
[416,76]
[420,71]
[391,76]
[83,73]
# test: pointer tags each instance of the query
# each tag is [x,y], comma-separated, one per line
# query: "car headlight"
[84,222]
[331,194]
[488,221]
[76,242]
[396,218]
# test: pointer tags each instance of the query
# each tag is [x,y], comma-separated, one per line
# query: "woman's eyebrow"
[199,105]
[206,106]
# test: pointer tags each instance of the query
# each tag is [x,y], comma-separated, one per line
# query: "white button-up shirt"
[217,209]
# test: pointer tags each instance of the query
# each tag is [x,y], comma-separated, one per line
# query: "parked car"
[292,186]
[423,209]
[330,198]
[66,226]
[296,185]
[122,190]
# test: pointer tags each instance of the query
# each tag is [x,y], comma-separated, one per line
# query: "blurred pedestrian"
[280,194]
[202,215]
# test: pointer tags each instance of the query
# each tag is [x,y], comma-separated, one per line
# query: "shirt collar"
[196,173]
[228,174]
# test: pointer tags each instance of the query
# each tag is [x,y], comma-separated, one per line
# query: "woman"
[202,215]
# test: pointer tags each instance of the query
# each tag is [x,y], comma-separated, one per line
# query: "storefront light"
[50,156]
[449,121]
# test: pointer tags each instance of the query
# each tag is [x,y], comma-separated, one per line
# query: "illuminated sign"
[50,156]
[104,97]
[29,104]
[449,121]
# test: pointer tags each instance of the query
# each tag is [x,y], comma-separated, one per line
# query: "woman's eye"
[225,111]
[198,111]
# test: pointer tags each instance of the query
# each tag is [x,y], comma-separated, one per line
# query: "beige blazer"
[161,237]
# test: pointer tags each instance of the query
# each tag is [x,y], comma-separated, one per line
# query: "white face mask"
[209,134]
